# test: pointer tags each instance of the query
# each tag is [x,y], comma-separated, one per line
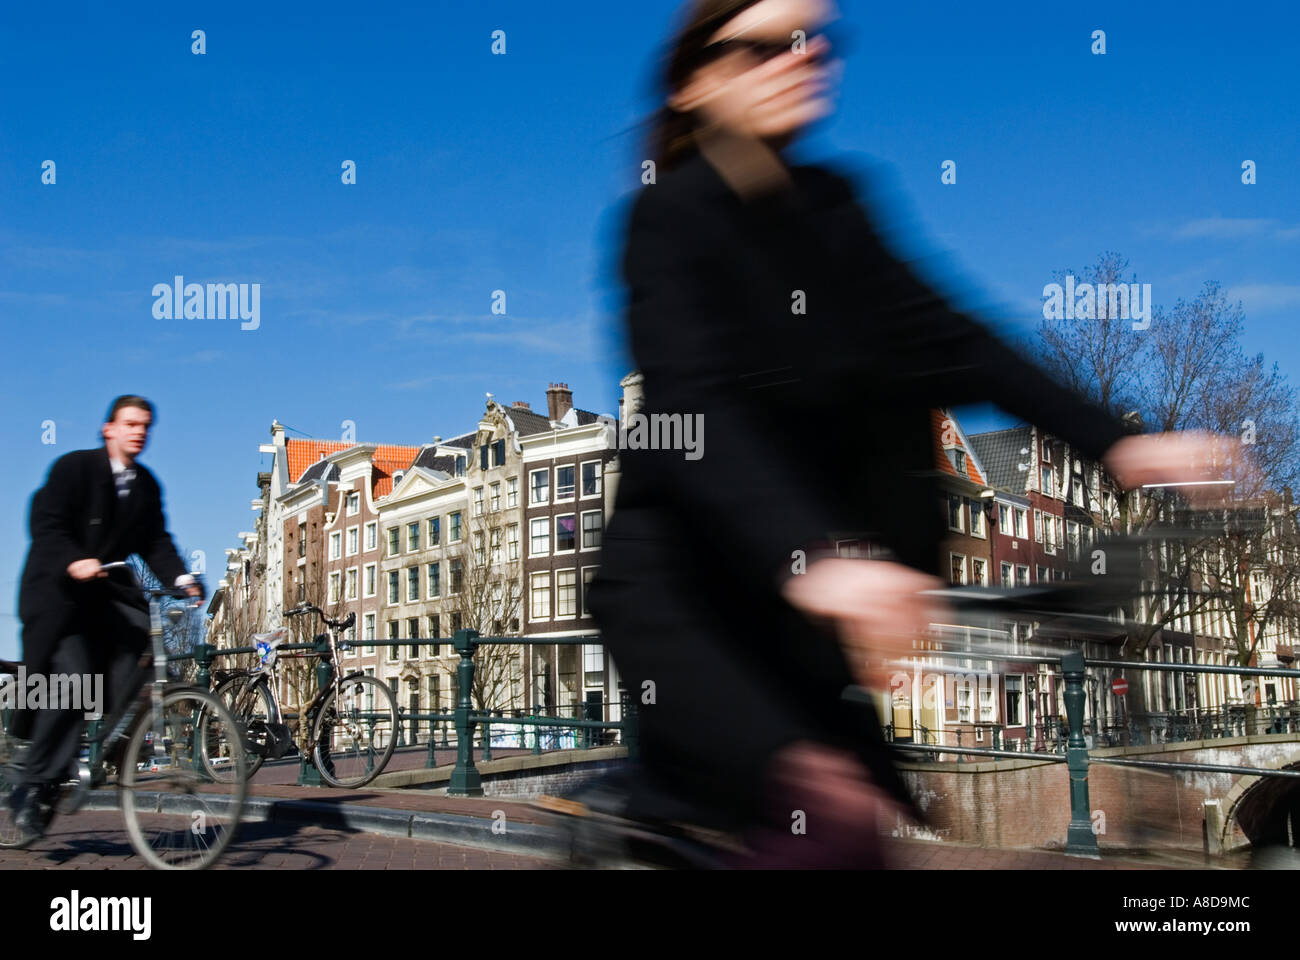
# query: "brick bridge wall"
[1026,803]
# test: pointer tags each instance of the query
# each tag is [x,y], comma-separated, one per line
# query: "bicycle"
[176,816]
[353,719]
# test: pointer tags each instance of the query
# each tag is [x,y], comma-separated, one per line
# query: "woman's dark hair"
[672,134]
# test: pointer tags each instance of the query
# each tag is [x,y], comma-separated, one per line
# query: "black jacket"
[77,514]
[814,425]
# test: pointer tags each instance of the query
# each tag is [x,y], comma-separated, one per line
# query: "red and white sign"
[1119,686]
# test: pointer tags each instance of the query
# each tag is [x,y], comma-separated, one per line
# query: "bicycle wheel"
[355,732]
[250,705]
[178,817]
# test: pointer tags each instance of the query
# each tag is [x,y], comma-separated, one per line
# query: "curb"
[528,839]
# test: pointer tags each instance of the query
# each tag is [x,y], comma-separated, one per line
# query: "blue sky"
[478,172]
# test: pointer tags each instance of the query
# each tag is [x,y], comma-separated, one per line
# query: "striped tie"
[124,478]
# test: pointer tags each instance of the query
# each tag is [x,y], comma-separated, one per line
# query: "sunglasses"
[838,41]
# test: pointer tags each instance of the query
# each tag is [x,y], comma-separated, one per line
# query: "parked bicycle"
[353,719]
[169,737]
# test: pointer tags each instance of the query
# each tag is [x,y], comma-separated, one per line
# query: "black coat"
[814,424]
[77,515]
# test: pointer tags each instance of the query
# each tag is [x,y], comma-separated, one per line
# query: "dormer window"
[958,460]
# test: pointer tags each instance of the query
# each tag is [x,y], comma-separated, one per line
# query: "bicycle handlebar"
[177,593]
[304,608]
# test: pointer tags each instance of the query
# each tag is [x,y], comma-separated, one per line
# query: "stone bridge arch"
[1262,810]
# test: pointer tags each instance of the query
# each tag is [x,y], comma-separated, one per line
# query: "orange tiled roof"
[941,461]
[387,459]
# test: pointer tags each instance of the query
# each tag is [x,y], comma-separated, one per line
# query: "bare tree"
[485,594]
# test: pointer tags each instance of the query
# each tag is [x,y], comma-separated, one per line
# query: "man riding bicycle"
[97,506]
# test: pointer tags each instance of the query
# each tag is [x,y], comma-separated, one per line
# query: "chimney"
[520,405]
[559,400]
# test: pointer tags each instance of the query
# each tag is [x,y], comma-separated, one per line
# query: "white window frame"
[351,583]
[512,541]
[532,537]
[556,602]
[555,550]
[512,492]
[370,580]
[582,531]
[533,501]
[369,620]
[600,480]
[962,557]
[335,585]
[354,503]
[336,545]
[574,495]
[352,543]
[543,577]
[372,535]
[409,524]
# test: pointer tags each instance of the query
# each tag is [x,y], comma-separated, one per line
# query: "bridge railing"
[1080,838]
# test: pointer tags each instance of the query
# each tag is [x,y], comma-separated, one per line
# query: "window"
[1004,518]
[352,584]
[412,536]
[1043,574]
[541,596]
[593,665]
[480,557]
[372,535]
[453,527]
[963,702]
[591,478]
[435,693]
[334,587]
[499,453]
[540,537]
[483,457]
[512,542]
[435,588]
[564,483]
[369,620]
[987,714]
[394,541]
[958,460]
[413,634]
[1022,575]
[455,623]
[977,518]
[1006,576]
[957,568]
[1049,535]
[565,533]
[457,575]
[412,583]
[393,634]
[354,541]
[302,540]
[478,501]
[588,574]
[1013,717]
[591,527]
[512,492]
[539,482]
[954,512]
[1046,477]
[566,593]
[979,571]
[392,586]
[494,544]
[371,584]
[435,531]
[1022,519]
[435,633]
[1038,526]
[494,503]
[336,545]
[354,504]
[1071,540]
